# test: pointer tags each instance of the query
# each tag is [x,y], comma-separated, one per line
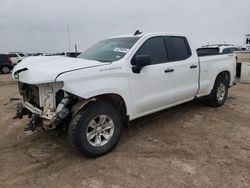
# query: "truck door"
[186,68]
[154,87]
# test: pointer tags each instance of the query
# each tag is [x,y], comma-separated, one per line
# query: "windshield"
[109,50]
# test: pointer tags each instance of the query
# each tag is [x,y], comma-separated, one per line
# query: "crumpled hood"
[45,69]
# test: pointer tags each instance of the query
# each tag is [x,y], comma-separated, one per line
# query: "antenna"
[68,37]
[137,32]
[76,48]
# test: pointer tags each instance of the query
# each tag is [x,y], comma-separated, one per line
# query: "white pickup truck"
[115,81]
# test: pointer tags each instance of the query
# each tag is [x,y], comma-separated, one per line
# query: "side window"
[235,49]
[231,50]
[207,51]
[227,51]
[178,48]
[155,48]
[12,55]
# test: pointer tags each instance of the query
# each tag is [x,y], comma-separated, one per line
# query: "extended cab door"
[186,68]
[154,87]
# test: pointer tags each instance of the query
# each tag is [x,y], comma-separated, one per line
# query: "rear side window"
[178,48]
[207,51]
[155,48]
[13,55]
[22,55]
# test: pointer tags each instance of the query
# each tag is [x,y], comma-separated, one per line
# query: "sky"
[41,25]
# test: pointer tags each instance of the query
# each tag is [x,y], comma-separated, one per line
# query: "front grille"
[30,93]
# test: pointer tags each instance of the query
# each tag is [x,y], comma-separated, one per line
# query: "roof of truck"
[147,34]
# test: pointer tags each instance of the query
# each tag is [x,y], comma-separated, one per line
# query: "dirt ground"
[190,145]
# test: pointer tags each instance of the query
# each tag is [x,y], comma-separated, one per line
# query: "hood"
[45,69]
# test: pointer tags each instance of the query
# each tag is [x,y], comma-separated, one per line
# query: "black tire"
[5,70]
[79,125]
[213,99]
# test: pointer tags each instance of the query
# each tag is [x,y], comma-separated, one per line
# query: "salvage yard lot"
[190,145]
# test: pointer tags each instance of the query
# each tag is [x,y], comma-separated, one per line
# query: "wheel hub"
[5,70]
[100,130]
[221,92]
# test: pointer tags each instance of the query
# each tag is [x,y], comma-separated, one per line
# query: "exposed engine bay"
[45,104]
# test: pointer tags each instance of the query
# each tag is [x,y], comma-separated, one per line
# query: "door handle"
[193,66]
[169,70]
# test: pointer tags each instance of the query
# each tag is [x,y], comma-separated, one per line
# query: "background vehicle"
[5,64]
[69,54]
[115,81]
[16,57]
[72,54]
[218,49]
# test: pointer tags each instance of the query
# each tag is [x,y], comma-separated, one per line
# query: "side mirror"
[139,62]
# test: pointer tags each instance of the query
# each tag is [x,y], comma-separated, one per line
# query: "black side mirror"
[139,62]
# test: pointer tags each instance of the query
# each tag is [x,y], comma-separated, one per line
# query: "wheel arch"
[212,98]
[225,73]
[113,98]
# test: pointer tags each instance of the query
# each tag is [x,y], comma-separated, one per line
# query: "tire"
[5,69]
[219,93]
[86,123]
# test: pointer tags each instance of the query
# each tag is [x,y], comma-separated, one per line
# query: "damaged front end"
[45,105]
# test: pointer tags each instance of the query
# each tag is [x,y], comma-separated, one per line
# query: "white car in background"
[16,57]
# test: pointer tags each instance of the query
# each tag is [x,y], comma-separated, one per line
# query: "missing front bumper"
[48,120]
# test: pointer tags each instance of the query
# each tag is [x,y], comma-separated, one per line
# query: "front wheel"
[219,93]
[96,129]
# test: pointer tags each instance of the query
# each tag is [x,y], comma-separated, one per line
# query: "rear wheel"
[96,129]
[5,70]
[219,93]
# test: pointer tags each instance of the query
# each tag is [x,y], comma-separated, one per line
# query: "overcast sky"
[41,25]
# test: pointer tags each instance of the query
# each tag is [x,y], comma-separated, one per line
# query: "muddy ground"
[190,145]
